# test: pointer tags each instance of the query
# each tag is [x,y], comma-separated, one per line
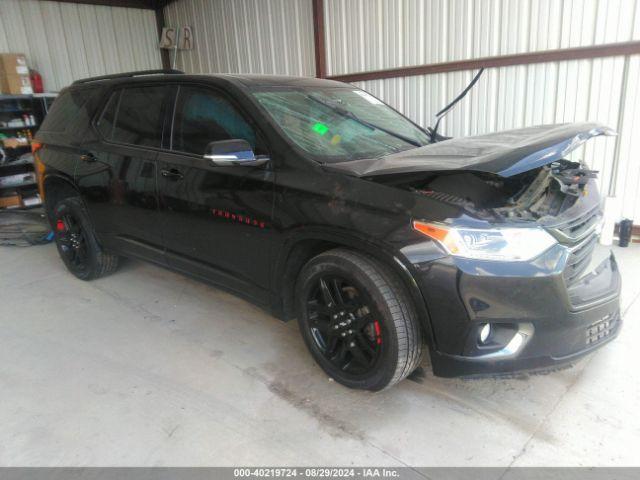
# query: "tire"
[356,279]
[77,243]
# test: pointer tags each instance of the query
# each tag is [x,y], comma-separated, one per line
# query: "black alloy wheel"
[357,319]
[77,243]
[72,242]
[344,325]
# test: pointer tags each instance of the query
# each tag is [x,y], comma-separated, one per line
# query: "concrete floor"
[147,367]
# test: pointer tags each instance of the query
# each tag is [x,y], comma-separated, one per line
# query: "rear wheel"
[357,320]
[77,243]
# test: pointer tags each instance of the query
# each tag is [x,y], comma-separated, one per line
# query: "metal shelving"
[17,160]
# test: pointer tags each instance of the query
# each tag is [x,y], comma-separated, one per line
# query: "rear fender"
[57,185]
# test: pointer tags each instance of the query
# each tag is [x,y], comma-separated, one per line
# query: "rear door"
[117,174]
[216,220]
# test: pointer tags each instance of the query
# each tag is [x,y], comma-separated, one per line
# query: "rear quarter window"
[67,110]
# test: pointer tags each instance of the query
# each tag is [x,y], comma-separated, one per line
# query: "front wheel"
[357,320]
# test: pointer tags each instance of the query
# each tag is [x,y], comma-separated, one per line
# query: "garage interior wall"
[245,36]
[68,41]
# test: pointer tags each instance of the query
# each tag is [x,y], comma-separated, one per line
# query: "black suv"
[320,202]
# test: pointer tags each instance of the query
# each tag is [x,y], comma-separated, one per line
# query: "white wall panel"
[628,175]
[66,41]
[374,34]
[245,36]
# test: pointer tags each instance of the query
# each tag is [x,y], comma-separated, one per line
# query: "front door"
[215,219]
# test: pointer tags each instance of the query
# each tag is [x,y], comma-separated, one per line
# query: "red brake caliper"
[376,326]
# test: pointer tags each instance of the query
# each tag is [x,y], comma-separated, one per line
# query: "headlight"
[502,244]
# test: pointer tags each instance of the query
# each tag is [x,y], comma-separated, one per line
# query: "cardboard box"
[16,84]
[14,74]
[13,201]
[14,142]
[13,64]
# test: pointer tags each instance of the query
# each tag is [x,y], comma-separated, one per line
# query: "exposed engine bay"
[541,192]
[520,174]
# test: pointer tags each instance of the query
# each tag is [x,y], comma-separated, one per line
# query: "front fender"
[303,243]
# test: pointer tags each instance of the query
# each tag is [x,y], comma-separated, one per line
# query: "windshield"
[340,124]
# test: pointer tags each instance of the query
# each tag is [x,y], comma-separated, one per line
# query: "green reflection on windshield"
[320,128]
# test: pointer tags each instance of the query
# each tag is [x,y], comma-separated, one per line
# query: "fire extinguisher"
[36,81]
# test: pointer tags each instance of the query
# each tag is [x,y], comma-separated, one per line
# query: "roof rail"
[170,71]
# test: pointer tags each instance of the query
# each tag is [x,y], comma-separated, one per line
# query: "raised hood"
[504,153]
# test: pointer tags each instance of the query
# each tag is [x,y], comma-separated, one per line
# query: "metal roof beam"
[561,55]
[144,4]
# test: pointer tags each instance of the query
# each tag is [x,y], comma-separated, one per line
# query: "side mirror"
[237,152]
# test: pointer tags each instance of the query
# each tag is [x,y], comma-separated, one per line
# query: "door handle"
[88,157]
[172,174]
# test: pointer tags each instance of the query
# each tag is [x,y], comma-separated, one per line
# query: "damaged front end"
[560,198]
[542,193]
[517,175]
[534,288]
[537,187]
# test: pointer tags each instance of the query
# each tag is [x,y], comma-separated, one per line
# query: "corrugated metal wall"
[364,35]
[246,36]
[66,41]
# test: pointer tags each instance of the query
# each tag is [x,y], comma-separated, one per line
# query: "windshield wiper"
[355,118]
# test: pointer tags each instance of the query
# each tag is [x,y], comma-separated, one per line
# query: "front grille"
[578,228]
[581,236]
[603,328]
[579,259]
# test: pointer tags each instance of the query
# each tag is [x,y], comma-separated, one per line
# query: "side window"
[135,116]
[203,116]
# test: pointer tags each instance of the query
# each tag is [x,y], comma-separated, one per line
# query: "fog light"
[485,331]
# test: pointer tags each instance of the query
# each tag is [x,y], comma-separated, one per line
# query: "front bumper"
[557,322]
